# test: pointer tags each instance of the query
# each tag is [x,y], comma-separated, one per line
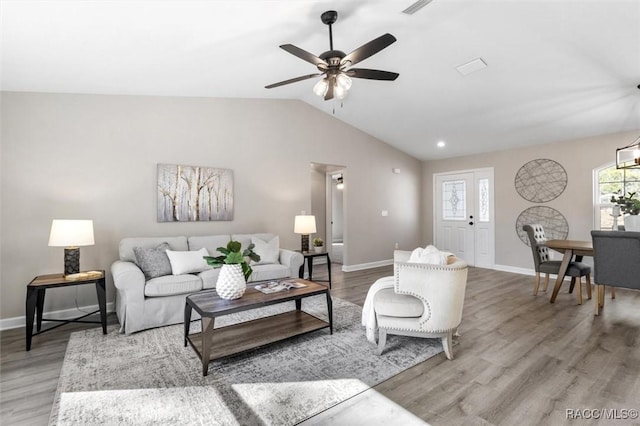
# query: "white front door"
[463,217]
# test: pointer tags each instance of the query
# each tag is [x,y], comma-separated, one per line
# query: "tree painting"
[193,193]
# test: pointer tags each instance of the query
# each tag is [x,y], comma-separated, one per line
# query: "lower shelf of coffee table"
[245,336]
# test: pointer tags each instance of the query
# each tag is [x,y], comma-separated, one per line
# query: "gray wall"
[94,157]
[578,157]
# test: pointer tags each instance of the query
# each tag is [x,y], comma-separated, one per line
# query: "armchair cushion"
[388,302]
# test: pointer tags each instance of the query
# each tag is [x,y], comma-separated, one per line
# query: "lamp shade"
[71,233]
[305,224]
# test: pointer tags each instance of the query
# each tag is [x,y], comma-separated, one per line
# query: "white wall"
[94,157]
[578,157]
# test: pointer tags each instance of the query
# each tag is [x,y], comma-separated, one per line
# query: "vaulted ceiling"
[556,70]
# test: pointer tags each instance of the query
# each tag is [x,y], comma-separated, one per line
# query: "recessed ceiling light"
[441,144]
[471,66]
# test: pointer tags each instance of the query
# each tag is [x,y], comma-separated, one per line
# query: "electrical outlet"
[385,213]
[396,245]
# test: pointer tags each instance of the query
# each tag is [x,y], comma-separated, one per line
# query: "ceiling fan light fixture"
[344,81]
[321,87]
[339,92]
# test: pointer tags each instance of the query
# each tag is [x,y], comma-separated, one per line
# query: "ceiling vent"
[416,6]
[471,66]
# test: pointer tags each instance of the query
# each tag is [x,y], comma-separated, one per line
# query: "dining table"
[569,248]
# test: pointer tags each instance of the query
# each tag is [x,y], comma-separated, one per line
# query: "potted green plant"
[318,245]
[235,269]
[630,206]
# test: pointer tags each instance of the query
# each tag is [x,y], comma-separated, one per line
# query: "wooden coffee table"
[213,343]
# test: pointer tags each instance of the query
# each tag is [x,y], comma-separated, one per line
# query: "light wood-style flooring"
[519,360]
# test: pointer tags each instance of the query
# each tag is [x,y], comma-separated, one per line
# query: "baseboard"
[17,322]
[363,266]
[503,268]
[514,269]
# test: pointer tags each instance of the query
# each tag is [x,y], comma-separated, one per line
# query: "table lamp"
[71,234]
[305,225]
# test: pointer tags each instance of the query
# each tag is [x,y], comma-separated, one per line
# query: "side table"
[308,259]
[35,301]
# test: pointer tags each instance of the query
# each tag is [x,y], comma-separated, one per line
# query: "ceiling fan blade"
[371,74]
[368,49]
[293,80]
[304,55]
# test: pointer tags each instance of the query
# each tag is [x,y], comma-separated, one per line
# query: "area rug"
[151,378]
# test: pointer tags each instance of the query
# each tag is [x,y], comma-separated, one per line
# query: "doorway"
[335,214]
[464,222]
[328,186]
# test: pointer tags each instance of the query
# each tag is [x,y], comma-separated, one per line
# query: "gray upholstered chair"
[616,262]
[542,264]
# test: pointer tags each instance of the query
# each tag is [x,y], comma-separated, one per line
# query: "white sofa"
[142,304]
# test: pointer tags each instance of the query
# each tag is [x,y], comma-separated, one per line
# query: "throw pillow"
[269,251]
[187,262]
[430,255]
[153,261]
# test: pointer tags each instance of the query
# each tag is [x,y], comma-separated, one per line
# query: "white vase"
[231,283]
[632,223]
[318,249]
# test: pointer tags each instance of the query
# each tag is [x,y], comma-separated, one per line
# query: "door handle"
[470,223]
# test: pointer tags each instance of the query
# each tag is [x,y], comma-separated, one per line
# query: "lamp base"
[305,242]
[71,261]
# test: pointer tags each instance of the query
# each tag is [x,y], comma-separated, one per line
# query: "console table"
[35,301]
[308,259]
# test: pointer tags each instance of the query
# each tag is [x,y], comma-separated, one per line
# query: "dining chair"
[542,264]
[616,262]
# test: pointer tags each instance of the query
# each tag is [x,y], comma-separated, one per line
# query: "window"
[483,199]
[454,200]
[609,182]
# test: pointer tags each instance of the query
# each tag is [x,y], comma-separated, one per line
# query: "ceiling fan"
[334,64]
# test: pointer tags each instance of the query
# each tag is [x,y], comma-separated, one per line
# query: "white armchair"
[426,301]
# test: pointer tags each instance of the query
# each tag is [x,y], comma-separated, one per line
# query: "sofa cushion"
[126,246]
[245,239]
[269,251]
[210,242]
[172,284]
[209,278]
[269,272]
[153,261]
[187,262]
[388,302]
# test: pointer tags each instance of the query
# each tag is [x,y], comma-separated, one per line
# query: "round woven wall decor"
[554,223]
[541,180]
